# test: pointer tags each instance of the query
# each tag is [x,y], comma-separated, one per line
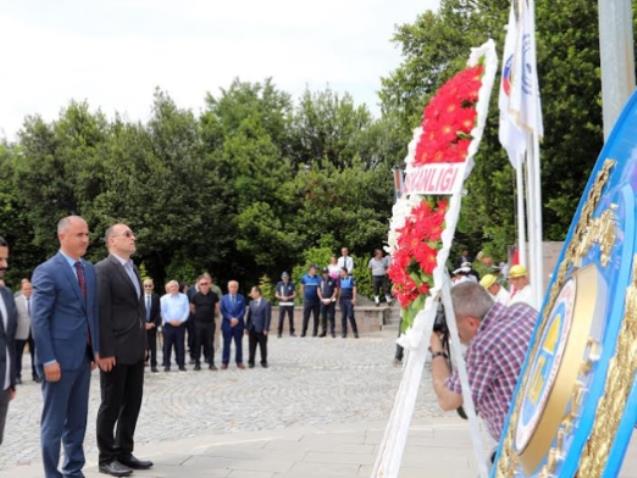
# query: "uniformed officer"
[347,300]
[311,303]
[327,292]
[285,294]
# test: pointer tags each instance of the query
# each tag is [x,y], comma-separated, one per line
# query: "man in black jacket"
[122,347]
[8,323]
[153,320]
[258,326]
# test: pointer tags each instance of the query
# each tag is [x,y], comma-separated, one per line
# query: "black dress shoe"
[115,468]
[37,379]
[264,364]
[18,381]
[212,367]
[136,464]
[183,369]
[197,366]
[166,369]
[154,369]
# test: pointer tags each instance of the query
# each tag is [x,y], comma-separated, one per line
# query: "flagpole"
[521,219]
[537,279]
[530,214]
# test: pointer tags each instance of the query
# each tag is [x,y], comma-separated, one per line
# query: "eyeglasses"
[148,287]
[204,283]
[125,234]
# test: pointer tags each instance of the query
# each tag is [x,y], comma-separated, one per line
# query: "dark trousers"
[151,339]
[347,312]
[314,309]
[255,338]
[286,309]
[399,350]
[231,334]
[63,422]
[204,337]
[328,312]
[5,398]
[380,285]
[192,333]
[19,351]
[174,337]
[122,390]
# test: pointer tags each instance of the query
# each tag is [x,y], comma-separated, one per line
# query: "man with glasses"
[153,321]
[123,345]
[204,305]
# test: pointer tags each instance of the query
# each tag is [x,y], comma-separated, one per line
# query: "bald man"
[175,310]
[123,347]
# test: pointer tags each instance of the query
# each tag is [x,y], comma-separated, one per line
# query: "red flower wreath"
[449,118]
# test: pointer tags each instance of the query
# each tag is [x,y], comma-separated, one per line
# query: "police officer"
[311,304]
[327,292]
[285,294]
[347,300]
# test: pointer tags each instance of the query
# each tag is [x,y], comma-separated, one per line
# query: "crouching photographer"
[497,338]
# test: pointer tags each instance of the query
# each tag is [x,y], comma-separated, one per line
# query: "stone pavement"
[318,411]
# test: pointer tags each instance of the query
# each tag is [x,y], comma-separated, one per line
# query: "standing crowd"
[75,317]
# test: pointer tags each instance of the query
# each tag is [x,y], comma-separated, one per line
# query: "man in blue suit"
[233,306]
[66,333]
[258,326]
[8,325]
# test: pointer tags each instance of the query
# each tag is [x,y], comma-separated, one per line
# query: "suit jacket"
[259,316]
[7,337]
[155,311]
[230,310]
[122,313]
[24,318]
[61,319]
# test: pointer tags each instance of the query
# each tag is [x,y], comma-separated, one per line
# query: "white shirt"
[347,262]
[525,296]
[502,297]
[5,323]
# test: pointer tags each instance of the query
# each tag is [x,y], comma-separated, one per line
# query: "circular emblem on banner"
[546,365]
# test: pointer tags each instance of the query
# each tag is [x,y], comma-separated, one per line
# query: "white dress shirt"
[5,323]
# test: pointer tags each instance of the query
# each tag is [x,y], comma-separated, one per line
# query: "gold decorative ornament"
[619,381]
[509,460]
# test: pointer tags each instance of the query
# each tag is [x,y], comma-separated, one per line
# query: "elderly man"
[521,291]
[498,293]
[175,310]
[498,338]
[152,322]
[233,306]
[24,335]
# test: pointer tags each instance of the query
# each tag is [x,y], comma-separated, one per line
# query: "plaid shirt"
[494,359]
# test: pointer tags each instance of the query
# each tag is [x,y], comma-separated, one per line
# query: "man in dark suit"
[258,326]
[233,306]
[8,324]
[123,345]
[66,332]
[153,321]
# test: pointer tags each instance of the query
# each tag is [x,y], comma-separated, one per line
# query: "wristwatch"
[440,353]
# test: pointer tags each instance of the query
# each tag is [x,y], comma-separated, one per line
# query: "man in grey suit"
[8,321]
[123,346]
[64,320]
[23,335]
[258,326]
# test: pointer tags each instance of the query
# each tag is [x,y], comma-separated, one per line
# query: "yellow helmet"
[488,280]
[517,271]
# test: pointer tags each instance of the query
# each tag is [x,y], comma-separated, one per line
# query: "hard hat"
[488,280]
[517,271]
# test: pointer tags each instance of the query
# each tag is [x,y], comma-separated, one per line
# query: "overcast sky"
[113,53]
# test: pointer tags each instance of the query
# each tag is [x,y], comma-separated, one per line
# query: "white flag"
[512,139]
[525,94]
